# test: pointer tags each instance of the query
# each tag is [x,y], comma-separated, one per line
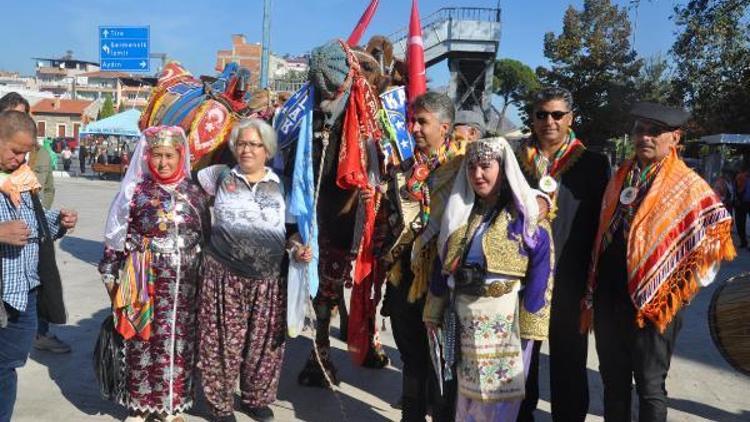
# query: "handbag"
[109,359]
[50,305]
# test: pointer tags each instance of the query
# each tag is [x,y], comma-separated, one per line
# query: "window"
[41,128]
[61,129]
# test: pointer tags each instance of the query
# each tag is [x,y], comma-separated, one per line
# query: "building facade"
[57,117]
[244,54]
[73,79]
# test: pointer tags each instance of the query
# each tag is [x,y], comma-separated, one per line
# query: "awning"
[121,124]
[726,139]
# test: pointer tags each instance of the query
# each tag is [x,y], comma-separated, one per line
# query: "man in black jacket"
[557,163]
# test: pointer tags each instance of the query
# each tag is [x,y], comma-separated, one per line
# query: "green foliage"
[623,148]
[108,108]
[513,81]
[655,82]
[712,57]
[592,58]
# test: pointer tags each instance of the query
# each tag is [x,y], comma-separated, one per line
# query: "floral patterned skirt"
[159,371]
[468,410]
[491,366]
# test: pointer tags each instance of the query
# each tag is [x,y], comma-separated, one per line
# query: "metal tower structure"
[469,38]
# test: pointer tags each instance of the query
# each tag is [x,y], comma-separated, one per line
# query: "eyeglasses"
[556,115]
[248,145]
[650,130]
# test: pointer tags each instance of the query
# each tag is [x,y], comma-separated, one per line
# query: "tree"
[655,82]
[108,108]
[712,57]
[593,59]
[513,81]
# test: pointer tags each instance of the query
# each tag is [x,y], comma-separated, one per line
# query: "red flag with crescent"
[363,23]
[417,81]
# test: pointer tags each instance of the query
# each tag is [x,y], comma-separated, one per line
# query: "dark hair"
[551,93]
[12,100]
[12,122]
[437,103]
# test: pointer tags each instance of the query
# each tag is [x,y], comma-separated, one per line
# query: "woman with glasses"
[494,296]
[242,300]
[153,236]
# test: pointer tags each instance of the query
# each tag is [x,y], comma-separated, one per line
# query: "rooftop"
[60,106]
[105,75]
[66,60]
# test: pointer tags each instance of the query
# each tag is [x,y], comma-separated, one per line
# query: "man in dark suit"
[558,163]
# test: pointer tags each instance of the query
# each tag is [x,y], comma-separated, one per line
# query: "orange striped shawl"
[679,233]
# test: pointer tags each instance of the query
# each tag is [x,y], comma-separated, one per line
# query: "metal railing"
[485,14]
[286,86]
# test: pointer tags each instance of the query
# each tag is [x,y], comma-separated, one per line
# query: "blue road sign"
[124,48]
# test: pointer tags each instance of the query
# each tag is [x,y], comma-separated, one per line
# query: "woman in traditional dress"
[243,300]
[156,225]
[495,294]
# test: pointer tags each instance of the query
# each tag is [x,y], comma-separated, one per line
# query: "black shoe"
[225,418]
[312,374]
[375,359]
[262,414]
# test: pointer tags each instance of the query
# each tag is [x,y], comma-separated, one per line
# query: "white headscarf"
[461,199]
[116,226]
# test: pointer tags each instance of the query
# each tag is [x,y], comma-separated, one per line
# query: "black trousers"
[420,388]
[740,216]
[569,385]
[626,352]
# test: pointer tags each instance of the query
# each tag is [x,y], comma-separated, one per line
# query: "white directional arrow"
[105,32]
[105,48]
[143,64]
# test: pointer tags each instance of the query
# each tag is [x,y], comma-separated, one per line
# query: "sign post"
[124,48]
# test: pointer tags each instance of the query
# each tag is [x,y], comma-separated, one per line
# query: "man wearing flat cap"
[662,234]
[469,125]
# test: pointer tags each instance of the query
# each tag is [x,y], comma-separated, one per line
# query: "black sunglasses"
[557,115]
[650,130]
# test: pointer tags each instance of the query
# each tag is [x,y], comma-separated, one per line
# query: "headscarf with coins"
[462,197]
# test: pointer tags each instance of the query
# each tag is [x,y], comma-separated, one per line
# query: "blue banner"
[394,104]
[288,119]
[302,281]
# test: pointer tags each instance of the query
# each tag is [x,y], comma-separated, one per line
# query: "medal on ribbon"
[548,184]
[628,195]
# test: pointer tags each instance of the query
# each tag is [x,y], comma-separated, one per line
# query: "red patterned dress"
[166,228]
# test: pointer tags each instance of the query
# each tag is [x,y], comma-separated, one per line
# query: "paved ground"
[62,387]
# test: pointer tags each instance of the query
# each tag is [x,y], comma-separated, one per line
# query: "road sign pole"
[266,44]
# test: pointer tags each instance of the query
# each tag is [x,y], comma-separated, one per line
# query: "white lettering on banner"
[392,101]
[295,112]
[287,126]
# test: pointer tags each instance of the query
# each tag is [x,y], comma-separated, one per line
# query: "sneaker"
[51,344]
[224,418]
[262,414]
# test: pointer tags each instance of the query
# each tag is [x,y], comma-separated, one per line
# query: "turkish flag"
[364,21]
[415,56]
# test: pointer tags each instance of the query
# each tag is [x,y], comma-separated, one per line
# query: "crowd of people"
[496,249]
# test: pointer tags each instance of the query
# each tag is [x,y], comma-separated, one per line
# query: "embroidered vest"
[502,251]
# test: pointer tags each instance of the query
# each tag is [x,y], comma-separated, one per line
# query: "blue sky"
[192,31]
